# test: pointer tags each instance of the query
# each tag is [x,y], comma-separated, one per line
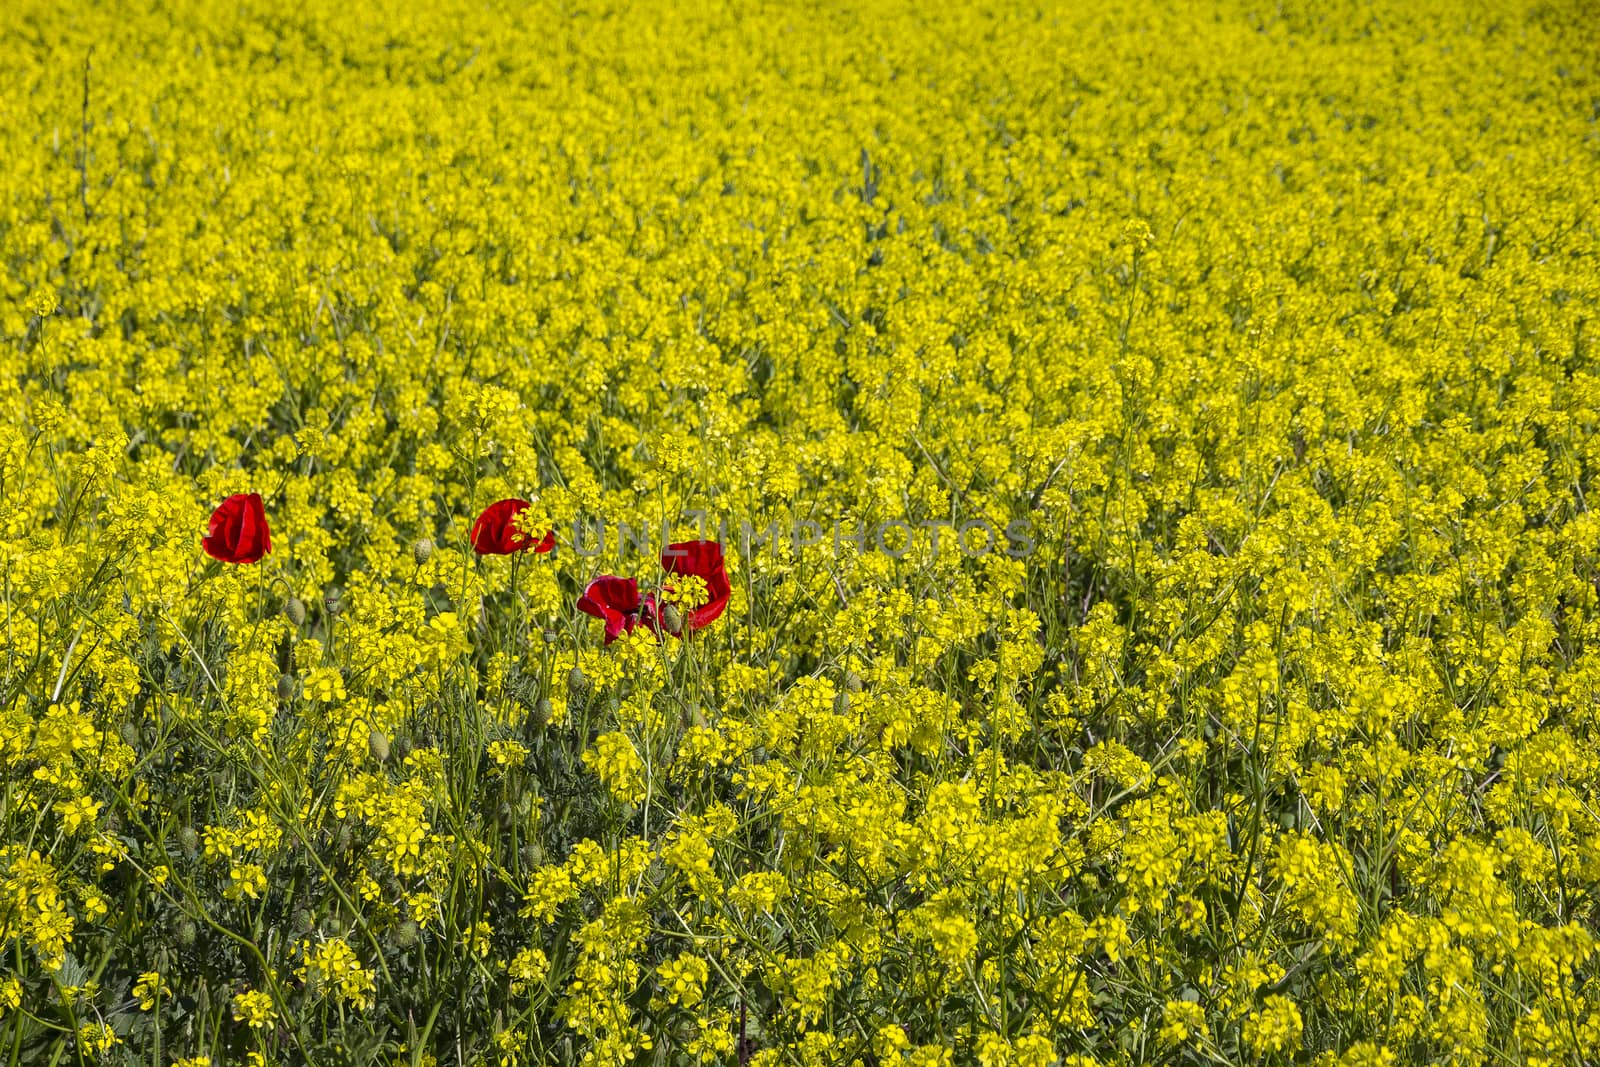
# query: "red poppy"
[703,560]
[616,602]
[494,533]
[238,531]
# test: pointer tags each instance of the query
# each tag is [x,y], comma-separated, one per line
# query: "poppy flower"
[617,603]
[703,560]
[238,530]
[495,534]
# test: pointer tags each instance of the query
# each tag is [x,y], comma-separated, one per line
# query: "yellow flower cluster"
[1150,447]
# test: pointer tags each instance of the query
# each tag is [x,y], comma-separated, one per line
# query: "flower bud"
[332,604]
[187,934]
[405,935]
[189,841]
[542,711]
[422,551]
[295,610]
[378,745]
[577,683]
[671,618]
[852,681]
[551,637]
[286,687]
[841,703]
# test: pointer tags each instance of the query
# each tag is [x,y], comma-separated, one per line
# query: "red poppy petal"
[251,523]
[493,534]
[704,560]
[232,510]
[237,532]
[610,593]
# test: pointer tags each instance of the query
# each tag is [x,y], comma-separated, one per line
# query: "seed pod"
[577,683]
[671,618]
[422,551]
[852,681]
[294,609]
[378,745]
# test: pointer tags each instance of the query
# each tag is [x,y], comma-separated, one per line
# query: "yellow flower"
[1274,1028]
[150,988]
[97,1038]
[333,967]
[254,1008]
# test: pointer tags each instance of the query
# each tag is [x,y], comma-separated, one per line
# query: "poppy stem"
[261,602]
[516,604]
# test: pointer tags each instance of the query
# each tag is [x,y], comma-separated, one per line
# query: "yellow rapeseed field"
[1149,443]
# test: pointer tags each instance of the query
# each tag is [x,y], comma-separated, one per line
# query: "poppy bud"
[577,682]
[187,934]
[189,841]
[551,637]
[402,748]
[671,618]
[532,854]
[378,745]
[422,551]
[295,611]
[303,921]
[285,687]
[541,711]
[841,703]
[405,935]
[852,681]
[332,604]
[130,734]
